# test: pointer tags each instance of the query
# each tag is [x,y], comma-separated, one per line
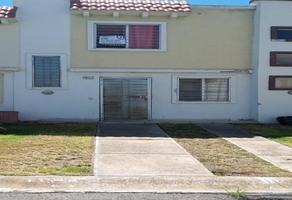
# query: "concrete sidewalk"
[142,150]
[270,151]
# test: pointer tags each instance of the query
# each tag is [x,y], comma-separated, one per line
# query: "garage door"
[125,99]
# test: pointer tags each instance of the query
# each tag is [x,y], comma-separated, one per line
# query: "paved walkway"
[142,150]
[273,152]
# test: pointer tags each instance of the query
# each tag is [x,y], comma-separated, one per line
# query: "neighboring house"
[145,60]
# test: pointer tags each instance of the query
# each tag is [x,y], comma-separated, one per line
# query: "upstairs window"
[131,36]
[281,59]
[208,90]
[283,33]
[110,36]
[46,71]
[144,37]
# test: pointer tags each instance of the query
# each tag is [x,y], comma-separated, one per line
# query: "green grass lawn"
[281,134]
[218,155]
[47,149]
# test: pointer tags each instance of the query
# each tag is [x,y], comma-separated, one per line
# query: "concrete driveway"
[142,150]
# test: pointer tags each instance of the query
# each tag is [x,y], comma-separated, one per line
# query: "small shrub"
[238,194]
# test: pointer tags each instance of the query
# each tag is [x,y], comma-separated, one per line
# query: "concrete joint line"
[96,152]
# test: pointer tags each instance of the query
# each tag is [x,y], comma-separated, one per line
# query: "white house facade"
[72,60]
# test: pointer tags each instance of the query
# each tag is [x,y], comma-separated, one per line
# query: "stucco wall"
[270,104]
[207,38]
[82,101]
[1,88]
[45,30]
[9,45]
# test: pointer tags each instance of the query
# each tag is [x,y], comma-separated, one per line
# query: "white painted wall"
[45,29]
[270,104]
[163,108]
[80,101]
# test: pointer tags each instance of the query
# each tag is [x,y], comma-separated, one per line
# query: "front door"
[125,99]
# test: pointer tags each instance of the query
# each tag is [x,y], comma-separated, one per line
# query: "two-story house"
[145,60]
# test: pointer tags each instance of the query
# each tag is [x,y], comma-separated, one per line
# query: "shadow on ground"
[50,129]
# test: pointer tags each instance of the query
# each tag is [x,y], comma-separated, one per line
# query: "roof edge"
[8,12]
[250,7]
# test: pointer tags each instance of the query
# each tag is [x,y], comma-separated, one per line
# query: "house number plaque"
[88,77]
[47,92]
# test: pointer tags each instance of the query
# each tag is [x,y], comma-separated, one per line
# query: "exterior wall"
[207,38]
[270,104]
[10,44]
[164,107]
[79,102]
[45,29]
[85,105]
[6,91]
[1,88]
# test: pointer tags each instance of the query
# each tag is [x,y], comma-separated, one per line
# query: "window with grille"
[208,90]
[46,71]
[128,36]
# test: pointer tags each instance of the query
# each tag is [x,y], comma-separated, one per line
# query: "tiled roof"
[7,12]
[131,5]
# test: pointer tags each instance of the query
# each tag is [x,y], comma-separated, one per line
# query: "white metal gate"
[125,98]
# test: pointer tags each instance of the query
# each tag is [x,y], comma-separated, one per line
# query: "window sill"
[280,40]
[127,50]
[281,66]
[204,102]
[48,88]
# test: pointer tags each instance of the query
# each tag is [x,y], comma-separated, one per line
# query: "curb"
[159,184]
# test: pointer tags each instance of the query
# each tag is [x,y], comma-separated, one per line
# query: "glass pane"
[111,36]
[144,37]
[283,83]
[284,59]
[217,89]
[47,71]
[190,89]
[285,34]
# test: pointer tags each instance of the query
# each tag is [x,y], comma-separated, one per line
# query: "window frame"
[176,89]
[92,35]
[33,72]
[274,33]
[273,55]
[30,71]
[272,83]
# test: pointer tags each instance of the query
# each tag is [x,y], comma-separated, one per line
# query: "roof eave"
[4,20]
[130,13]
